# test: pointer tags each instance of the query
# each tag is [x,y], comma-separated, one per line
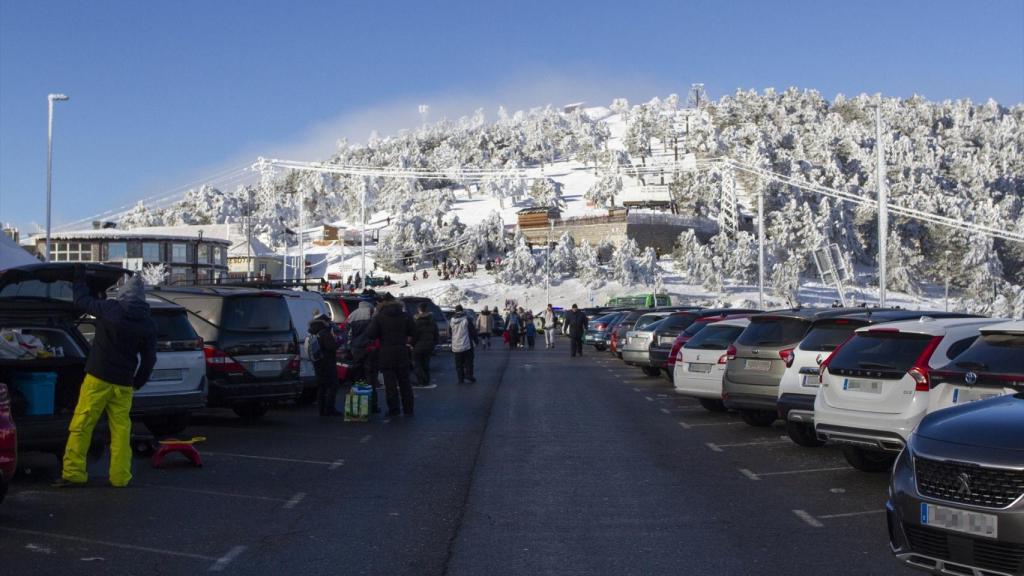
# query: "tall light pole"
[760,249]
[883,207]
[50,99]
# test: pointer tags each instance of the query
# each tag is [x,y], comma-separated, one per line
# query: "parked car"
[636,348]
[992,366]
[597,331]
[250,346]
[761,355]
[955,504]
[701,361]
[412,303]
[799,384]
[618,338]
[342,305]
[8,442]
[304,306]
[875,388]
[680,327]
[36,303]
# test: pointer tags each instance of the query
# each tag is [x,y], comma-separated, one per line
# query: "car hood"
[994,423]
[20,286]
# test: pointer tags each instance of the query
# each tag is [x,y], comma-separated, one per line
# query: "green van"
[640,301]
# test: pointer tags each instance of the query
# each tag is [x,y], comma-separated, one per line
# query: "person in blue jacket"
[121,360]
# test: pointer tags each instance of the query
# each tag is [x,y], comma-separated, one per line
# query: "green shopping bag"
[357,403]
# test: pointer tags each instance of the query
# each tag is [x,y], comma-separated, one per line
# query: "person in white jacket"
[549,327]
[463,337]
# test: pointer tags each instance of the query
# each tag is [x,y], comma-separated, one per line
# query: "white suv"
[700,363]
[875,388]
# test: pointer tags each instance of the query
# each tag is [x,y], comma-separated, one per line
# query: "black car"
[44,378]
[956,497]
[669,329]
[252,356]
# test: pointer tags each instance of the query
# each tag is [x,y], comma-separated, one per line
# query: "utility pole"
[50,99]
[302,242]
[760,249]
[362,234]
[883,207]
[248,234]
[547,263]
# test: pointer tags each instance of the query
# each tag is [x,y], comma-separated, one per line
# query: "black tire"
[651,371]
[759,418]
[712,404]
[3,488]
[803,435]
[600,347]
[871,461]
[669,375]
[307,397]
[143,448]
[169,425]
[250,412]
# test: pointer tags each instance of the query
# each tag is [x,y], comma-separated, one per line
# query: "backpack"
[312,348]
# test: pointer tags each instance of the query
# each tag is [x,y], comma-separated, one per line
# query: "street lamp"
[50,98]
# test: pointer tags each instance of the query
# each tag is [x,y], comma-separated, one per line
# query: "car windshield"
[998,353]
[696,327]
[773,331]
[173,326]
[35,289]
[712,337]
[645,322]
[888,351]
[256,313]
[828,336]
[677,322]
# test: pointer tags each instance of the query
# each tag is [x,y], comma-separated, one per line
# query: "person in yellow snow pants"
[96,397]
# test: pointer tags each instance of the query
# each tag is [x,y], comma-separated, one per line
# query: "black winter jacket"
[426,336]
[328,346]
[577,322]
[124,349]
[393,325]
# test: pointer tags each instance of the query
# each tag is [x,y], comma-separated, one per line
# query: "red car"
[703,318]
[8,442]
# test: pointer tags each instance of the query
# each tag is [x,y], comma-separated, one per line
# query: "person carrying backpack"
[531,331]
[322,350]
[513,326]
[484,327]
[424,339]
[463,336]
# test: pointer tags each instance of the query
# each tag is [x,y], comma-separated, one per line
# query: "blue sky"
[165,93]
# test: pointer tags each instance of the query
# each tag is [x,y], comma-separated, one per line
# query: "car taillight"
[724,358]
[730,354]
[599,327]
[220,362]
[676,346]
[293,364]
[919,371]
[787,356]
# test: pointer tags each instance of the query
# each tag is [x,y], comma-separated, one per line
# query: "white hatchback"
[875,388]
[700,363]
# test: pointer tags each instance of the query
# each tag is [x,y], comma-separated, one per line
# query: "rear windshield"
[606,319]
[173,326]
[773,332]
[828,336]
[696,327]
[999,353]
[713,337]
[36,289]
[256,314]
[646,321]
[887,351]
[677,322]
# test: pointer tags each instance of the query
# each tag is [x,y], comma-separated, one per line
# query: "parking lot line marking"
[365,439]
[849,514]
[804,471]
[212,492]
[226,559]
[749,474]
[701,424]
[108,544]
[687,408]
[684,425]
[291,503]
[649,399]
[718,447]
[336,464]
[810,520]
[636,389]
[665,411]
[275,459]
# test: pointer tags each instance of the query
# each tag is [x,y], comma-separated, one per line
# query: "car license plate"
[165,375]
[966,521]
[869,386]
[267,366]
[809,380]
[965,395]
[699,367]
[758,365]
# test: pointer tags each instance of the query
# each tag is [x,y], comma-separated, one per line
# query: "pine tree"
[588,266]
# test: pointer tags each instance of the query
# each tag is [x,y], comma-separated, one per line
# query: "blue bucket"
[38,389]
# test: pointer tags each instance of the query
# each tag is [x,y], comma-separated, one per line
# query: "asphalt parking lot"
[548,465]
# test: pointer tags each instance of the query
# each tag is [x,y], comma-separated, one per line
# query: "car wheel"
[143,448]
[712,405]
[803,435]
[669,375]
[600,347]
[650,370]
[868,460]
[307,397]
[3,488]
[759,418]
[250,411]
[163,426]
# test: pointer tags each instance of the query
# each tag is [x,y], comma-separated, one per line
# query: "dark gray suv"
[956,498]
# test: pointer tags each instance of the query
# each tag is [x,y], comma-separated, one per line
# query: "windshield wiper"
[880,365]
[972,364]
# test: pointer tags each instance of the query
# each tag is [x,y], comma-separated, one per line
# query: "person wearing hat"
[395,328]
[120,360]
[325,365]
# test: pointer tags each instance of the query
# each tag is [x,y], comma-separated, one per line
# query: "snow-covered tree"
[624,266]
[520,267]
[604,191]
[588,266]
[546,192]
[154,274]
[563,256]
